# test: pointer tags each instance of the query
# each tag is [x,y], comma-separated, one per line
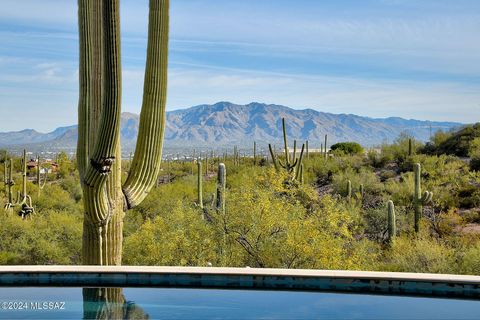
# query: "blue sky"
[410,58]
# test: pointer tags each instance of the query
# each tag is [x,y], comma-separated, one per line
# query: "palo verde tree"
[99,110]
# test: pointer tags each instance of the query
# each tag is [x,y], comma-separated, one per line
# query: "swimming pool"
[170,303]
[57,292]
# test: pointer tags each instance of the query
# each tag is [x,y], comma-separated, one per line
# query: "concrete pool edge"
[243,278]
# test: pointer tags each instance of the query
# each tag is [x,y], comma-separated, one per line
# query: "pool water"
[158,303]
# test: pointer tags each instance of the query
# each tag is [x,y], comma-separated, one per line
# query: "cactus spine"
[99,110]
[221,188]
[391,224]
[420,199]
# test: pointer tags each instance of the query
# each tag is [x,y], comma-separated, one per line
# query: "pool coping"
[447,285]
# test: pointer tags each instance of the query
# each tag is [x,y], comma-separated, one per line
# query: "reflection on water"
[109,303]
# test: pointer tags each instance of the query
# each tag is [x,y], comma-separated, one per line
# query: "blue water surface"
[158,303]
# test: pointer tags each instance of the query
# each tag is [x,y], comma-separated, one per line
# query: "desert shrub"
[469,196]
[474,153]
[459,143]
[163,199]
[470,263]
[54,197]
[53,238]
[66,166]
[363,176]
[375,222]
[270,223]
[347,148]
[419,255]
[71,185]
[376,159]
[398,150]
[178,237]
[443,223]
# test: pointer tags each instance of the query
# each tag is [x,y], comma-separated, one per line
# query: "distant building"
[46,167]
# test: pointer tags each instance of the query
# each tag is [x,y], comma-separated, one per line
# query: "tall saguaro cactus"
[9,184]
[325,146]
[199,184]
[41,184]
[420,199]
[99,110]
[391,223]
[221,188]
[292,166]
[5,177]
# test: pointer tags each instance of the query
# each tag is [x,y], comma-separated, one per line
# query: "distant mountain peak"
[225,124]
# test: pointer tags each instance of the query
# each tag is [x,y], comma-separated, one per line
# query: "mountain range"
[226,124]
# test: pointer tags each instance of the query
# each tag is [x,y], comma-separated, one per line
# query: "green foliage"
[52,238]
[419,255]
[455,143]
[178,237]
[66,167]
[470,263]
[357,177]
[271,220]
[474,153]
[347,148]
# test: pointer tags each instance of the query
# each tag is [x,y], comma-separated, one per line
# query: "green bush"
[419,255]
[177,238]
[456,143]
[52,238]
[347,148]
[470,263]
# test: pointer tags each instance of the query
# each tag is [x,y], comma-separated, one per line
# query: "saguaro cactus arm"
[285,142]
[299,163]
[148,152]
[274,157]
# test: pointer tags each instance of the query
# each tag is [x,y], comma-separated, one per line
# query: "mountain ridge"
[225,124]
